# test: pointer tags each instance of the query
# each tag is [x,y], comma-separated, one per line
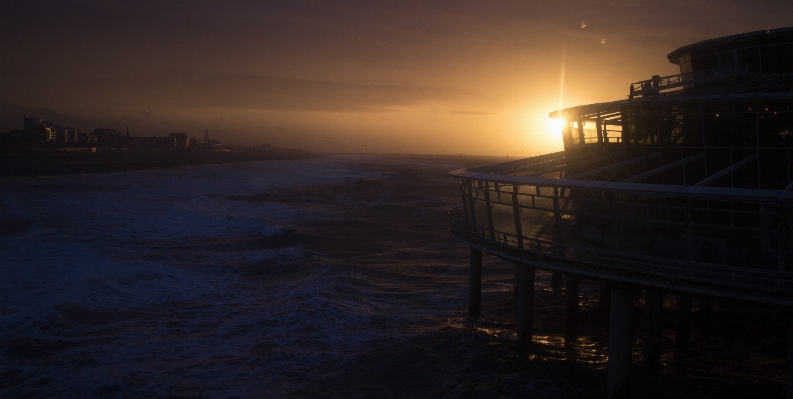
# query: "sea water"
[327,277]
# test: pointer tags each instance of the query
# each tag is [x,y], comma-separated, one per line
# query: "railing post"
[516,211]
[599,127]
[489,208]
[557,216]
[471,201]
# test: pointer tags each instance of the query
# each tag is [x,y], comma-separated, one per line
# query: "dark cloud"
[189,89]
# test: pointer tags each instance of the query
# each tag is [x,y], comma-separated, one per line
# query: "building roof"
[674,56]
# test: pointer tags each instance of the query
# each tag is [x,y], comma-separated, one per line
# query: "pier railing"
[661,85]
[596,214]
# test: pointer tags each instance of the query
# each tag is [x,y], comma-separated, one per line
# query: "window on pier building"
[777,58]
[775,125]
[725,129]
[586,128]
[685,63]
[668,125]
[763,55]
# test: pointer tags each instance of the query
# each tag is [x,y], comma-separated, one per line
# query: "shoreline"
[77,163]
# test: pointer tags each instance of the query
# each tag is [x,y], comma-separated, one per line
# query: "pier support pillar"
[683,328]
[556,279]
[706,315]
[789,382]
[516,280]
[651,339]
[525,305]
[619,350]
[475,283]
[572,291]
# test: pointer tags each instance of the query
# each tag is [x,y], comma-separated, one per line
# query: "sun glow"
[555,126]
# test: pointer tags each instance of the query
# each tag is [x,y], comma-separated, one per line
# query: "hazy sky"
[471,77]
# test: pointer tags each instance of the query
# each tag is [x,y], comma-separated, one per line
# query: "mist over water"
[332,277]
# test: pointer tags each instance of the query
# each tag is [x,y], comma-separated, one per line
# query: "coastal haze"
[374,77]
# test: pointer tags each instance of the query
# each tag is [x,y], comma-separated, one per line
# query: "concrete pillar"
[515,281]
[789,383]
[525,305]
[556,279]
[683,328]
[651,339]
[706,315]
[475,283]
[571,295]
[619,350]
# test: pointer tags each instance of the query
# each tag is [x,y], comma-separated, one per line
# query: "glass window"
[776,59]
[715,107]
[772,39]
[729,130]
[750,57]
[746,107]
[707,61]
[775,129]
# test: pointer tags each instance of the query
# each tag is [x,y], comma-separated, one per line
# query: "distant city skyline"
[42,132]
[383,77]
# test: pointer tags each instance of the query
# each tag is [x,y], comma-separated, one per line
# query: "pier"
[685,188]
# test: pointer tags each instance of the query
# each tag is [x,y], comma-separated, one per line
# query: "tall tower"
[206,134]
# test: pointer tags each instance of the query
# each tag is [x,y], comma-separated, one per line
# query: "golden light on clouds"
[377,77]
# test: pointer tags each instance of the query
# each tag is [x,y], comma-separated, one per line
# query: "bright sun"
[555,126]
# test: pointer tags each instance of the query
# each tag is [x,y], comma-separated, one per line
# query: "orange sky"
[443,77]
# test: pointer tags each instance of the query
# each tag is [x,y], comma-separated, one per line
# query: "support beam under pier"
[683,328]
[475,283]
[556,279]
[571,294]
[789,382]
[651,339]
[525,305]
[619,350]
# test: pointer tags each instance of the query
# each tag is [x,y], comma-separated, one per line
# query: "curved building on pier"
[685,186]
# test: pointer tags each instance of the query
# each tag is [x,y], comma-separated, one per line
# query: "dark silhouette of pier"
[683,188]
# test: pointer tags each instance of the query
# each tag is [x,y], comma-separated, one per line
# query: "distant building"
[33,123]
[179,140]
[106,138]
[39,132]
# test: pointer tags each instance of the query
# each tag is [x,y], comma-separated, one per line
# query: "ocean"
[325,277]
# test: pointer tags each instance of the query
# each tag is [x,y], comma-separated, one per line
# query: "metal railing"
[657,85]
[764,285]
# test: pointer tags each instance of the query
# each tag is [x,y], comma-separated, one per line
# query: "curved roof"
[674,56]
